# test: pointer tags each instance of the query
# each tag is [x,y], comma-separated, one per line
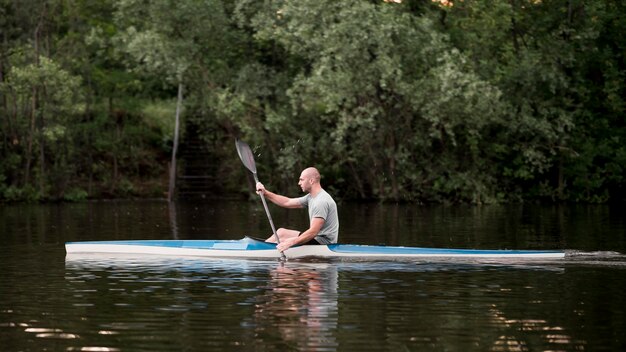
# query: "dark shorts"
[312,242]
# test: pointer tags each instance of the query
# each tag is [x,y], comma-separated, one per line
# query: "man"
[324,222]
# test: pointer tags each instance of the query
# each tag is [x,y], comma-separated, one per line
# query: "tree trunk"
[42,155]
[357,179]
[29,147]
[33,112]
[115,150]
[172,185]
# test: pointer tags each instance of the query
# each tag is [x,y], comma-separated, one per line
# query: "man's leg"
[283,234]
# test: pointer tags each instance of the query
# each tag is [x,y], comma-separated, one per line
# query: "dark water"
[188,304]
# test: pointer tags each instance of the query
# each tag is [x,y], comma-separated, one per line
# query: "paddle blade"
[245,154]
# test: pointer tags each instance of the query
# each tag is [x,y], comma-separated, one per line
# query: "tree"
[380,94]
[180,42]
[50,95]
[559,76]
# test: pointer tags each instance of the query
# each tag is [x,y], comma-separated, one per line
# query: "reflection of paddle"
[245,154]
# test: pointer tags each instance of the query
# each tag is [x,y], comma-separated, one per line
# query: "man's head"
[309,179]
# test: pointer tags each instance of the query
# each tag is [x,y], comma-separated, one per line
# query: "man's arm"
[278,199]
[306,236]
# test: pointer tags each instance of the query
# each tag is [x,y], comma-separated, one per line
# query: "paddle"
[245,154]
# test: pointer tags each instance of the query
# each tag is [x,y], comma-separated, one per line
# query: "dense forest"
[473,101]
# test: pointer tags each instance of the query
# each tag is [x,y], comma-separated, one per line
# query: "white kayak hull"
[253,248]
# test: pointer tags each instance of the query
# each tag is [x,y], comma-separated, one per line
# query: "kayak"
[249,247]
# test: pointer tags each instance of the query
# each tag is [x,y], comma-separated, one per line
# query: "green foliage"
[479,102]
[25,194]
[75,195]
[383,97]
[159,115]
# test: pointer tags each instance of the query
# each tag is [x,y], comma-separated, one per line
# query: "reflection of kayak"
[253,248]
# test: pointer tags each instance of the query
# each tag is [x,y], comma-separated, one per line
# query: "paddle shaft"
[267,210]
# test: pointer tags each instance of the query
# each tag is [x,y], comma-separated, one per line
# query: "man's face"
[304,182]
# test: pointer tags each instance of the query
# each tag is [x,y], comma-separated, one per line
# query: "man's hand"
[260,189]
[286,244]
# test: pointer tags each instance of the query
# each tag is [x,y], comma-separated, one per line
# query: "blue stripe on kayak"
[243,244]
[349,248]
[152,243]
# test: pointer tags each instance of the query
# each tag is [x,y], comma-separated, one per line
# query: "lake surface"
[133,303]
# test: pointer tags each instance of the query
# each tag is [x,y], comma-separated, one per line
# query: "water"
[131,303]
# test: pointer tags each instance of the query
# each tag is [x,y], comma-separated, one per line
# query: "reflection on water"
[555,336]
[584,228]
[312,306]
[294,303]
[300,306]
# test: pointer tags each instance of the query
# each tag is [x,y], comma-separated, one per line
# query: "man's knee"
[286,233]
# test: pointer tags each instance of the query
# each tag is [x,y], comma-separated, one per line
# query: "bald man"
[324,222]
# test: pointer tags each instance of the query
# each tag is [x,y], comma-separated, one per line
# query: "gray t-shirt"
[323,206]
